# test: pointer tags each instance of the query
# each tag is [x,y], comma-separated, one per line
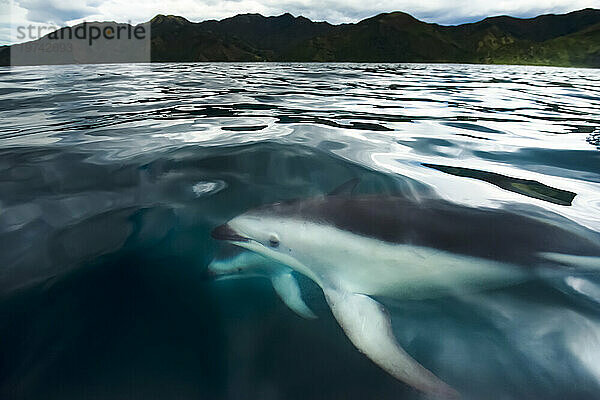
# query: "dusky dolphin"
[356,247]
[248,264]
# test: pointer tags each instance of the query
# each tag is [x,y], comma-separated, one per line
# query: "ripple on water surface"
[112,176]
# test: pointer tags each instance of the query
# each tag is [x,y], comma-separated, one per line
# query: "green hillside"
[560,40]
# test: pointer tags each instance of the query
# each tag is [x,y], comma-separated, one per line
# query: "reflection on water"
[112,177]
[525,187]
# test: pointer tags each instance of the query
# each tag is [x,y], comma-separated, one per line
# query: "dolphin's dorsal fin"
[368,327]
[287,288]
[345,188]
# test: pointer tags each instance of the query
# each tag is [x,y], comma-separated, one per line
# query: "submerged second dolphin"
[356,247]
[250,264]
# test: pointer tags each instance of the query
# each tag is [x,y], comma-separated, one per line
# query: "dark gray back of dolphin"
[494,234]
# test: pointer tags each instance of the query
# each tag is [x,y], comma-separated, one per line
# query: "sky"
[15,13]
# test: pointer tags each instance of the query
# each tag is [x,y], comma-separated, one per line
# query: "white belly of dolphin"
[370,266]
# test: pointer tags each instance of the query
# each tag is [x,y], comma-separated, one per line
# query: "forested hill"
[561,40]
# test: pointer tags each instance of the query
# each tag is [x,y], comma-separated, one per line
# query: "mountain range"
[571,39]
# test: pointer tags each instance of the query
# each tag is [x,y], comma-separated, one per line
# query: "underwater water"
[112,178]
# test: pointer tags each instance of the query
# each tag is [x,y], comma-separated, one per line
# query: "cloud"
[334,11]
[57,11]
[338,11]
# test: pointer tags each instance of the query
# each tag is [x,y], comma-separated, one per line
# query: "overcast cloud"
[56,12]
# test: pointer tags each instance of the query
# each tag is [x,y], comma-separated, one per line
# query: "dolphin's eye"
[273,241]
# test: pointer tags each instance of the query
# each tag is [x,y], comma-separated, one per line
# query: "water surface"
[111,178]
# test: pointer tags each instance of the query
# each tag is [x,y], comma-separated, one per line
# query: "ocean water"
[113,176]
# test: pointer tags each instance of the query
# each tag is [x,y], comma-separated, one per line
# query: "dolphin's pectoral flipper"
[287,288]
[368,326]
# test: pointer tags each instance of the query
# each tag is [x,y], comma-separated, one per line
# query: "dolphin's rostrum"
[356,247]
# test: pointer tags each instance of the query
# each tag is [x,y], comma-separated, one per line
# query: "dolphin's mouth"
[225,232]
